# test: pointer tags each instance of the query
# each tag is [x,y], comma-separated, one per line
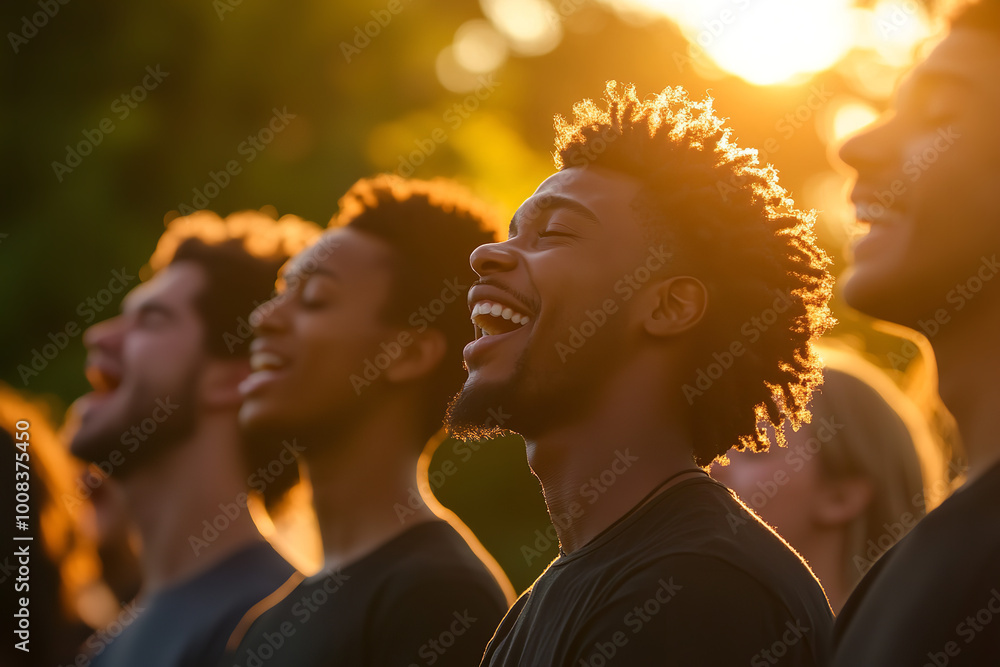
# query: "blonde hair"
[884,438]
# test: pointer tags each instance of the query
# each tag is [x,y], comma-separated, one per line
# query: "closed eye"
[549,232]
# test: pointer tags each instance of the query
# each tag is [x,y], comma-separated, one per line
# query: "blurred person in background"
[852,481]
[926,181]
[57,570]
[624,276]
[358,356]
[162,420]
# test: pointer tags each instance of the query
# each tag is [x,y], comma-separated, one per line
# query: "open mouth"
[102,379]
[493,319]
[266,361]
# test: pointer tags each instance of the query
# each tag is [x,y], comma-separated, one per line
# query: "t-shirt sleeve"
[438,620]
[693,610]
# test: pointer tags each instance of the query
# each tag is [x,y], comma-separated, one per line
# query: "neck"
[171,499]
[365,488]
[968,365]
[826,553]
[595,471]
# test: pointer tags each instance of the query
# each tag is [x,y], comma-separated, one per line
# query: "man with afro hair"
[654,305]
[357,358]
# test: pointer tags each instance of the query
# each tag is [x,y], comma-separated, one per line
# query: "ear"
[678,305]
[840,501]
[418,358]
[220,380]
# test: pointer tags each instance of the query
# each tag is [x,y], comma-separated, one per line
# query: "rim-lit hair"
[730,224]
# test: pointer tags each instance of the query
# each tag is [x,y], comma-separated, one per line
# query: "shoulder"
[738,617]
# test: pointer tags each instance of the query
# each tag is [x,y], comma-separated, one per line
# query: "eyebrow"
[151,306]
[555,203]
[290,271]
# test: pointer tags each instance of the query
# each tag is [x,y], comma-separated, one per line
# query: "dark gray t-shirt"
[423,598]
[691,578]
[188,625]
[933,598]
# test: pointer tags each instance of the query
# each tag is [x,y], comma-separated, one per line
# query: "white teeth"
[262,361]
[497,310]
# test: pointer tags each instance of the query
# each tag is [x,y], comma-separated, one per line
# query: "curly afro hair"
[731,225]
[432,226]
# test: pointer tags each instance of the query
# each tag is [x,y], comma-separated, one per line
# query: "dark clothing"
[691,578]
[934,598]
[187,625]
[422,598]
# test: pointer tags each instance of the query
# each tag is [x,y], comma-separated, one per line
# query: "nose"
[104,336]
[271,316]
[493,258]
[869,148]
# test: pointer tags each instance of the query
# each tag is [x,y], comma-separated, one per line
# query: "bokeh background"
[118,116]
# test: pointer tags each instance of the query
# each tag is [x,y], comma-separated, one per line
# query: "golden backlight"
[770,42]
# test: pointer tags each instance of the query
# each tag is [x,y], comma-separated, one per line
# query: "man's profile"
[628,273]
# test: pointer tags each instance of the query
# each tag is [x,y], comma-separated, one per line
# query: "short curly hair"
[731,225]
[240,256]
[433,227]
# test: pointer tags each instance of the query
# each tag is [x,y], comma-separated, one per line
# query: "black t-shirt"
[691,578]
[187,625]
[422,598]
[934,598]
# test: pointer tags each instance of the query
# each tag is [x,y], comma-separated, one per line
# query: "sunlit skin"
[154,350]
[361,446]
[927,261]
[811,511]
[568,246]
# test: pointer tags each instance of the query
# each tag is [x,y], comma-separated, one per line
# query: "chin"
[261,415]
[93,447]
[870,293]
[481,411]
